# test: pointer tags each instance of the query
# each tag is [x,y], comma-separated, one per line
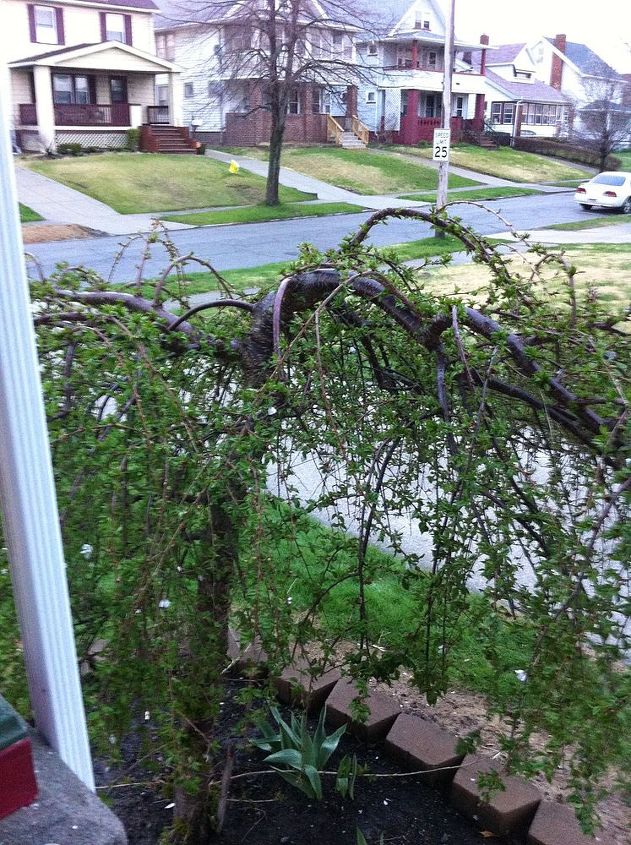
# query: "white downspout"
[27,498]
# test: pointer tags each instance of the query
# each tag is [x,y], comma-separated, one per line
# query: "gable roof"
[505,54]
[532,92]
[588,62]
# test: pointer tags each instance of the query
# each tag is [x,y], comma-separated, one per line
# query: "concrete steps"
[350,141]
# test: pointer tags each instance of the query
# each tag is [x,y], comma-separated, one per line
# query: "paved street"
[248,245]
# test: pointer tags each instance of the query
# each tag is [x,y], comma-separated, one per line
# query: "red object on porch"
[414,129]
[18,787]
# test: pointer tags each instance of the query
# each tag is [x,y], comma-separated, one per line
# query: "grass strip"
[27,215]
[475,194]
[263,213]
[593,223]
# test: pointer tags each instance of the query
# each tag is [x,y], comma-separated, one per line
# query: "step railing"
[360,130]
[334,130]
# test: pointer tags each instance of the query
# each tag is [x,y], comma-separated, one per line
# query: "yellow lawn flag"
[233,167]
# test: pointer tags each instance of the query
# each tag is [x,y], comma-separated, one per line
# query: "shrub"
[73,149]
[133,140]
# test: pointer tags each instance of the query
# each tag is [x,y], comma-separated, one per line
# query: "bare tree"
[274,49]
[604,123]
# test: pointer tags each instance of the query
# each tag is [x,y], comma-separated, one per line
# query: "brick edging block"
[383,710]
[508,811]
[296,685]
[556,824]
[421,744]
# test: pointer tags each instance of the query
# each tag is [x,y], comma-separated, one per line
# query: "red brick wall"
[556,72]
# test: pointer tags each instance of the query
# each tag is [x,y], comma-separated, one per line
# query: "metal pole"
[443,166]
[28,502]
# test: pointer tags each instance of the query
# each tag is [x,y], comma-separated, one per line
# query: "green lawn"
[625,158]
[362,171]
[504,162]
[132,183]
[475,194]
[591,223]
[27,215]
[263,213]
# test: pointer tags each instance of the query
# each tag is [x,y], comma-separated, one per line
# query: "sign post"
[441,143]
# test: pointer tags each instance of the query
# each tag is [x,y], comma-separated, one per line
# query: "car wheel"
[626,206]
[585,207]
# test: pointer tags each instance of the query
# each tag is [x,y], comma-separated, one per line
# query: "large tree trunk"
[275,149]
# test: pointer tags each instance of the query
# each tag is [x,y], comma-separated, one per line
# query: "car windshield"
[608,179]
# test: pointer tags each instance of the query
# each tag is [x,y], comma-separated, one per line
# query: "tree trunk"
[197,698]
[273,172]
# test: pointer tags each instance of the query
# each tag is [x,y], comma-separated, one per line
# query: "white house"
[517,102]
[574,69]
[402,101]
[84,71]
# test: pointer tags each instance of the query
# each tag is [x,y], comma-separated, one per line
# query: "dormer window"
[423,21]
[372,48]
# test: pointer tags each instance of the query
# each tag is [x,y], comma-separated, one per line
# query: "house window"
[422,21]
[189,90]
[509,113]
[496,112]
[162,95]
[432,58]
[165,46]
[293,104]
[114,27]
[371,97]
[337,37]
[372,48]
[404,103]
[459,111]
[432,107]
[45,24]
[71,89]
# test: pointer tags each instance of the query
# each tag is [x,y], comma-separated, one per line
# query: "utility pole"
[443,162]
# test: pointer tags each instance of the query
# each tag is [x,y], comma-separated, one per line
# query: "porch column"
[45,109]
[479,111]
[414,54]
[176,97]
[351,101]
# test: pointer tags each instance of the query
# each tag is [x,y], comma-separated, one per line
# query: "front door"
[118,89]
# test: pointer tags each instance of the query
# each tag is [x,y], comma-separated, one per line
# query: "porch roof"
[531,92]
[104,55]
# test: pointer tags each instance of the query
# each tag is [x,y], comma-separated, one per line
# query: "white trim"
[100,6]
[28,501]
[61,58]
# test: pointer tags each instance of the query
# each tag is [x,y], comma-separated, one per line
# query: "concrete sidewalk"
[59,204]
[617,233]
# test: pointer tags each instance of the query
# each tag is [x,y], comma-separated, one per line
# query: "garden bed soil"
[36,233]
[264,810]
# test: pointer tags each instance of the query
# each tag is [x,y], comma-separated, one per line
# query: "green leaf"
[329,745]
[288,756]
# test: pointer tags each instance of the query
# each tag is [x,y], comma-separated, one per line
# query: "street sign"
[442,138]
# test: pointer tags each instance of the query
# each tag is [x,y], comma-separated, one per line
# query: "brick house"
[517,103]
[402,99]
[84,71]
[225,93]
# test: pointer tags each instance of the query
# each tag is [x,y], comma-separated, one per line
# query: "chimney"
[484,40]
[556,70]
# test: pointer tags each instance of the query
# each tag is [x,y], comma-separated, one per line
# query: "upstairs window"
[46,25]
[372,48]
[165,46]
[115,27]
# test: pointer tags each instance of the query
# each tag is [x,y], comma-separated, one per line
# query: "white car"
[610,190]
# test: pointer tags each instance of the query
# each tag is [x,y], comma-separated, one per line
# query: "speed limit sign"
[442,138]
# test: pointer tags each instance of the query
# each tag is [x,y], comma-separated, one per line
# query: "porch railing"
[92,114]
[28,114]
[360,129]
[333,129]
[157,114]
[420,65]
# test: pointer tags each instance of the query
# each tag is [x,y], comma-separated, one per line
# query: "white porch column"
[176,97]
[27,497]
[45,110]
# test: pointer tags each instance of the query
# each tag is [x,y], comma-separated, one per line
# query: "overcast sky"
[605,26]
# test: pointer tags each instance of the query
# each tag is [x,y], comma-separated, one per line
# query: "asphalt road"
[248,245]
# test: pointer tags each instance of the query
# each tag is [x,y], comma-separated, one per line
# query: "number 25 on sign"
[442,139]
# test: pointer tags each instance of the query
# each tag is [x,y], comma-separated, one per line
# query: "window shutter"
[127,29]
[31,23]
[59,15]
[103,27]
